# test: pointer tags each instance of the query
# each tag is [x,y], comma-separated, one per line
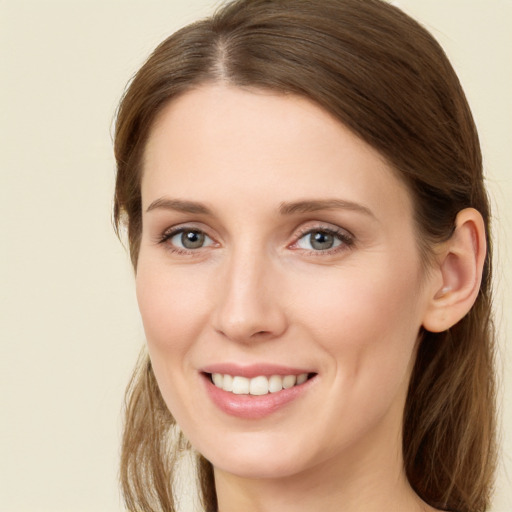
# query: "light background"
[69,329]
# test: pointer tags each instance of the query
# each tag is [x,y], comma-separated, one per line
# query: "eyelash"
[346,240]
[165,238]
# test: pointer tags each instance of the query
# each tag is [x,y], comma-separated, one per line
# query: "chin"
[259,459]
[259,469]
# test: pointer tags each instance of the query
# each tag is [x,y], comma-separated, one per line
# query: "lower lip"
[254,406]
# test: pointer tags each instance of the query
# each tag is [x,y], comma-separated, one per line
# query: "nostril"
[261,333]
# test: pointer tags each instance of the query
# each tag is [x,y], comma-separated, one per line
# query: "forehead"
[254,145]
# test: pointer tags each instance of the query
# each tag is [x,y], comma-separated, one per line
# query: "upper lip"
[253,370]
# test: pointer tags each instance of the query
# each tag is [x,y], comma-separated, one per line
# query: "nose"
[250,306]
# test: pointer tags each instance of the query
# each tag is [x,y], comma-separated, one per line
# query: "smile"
[254,392]
[257,386]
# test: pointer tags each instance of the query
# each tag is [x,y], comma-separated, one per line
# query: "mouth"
[257,390]
[259,385]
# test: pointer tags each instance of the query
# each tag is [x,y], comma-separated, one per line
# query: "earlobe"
[459,264]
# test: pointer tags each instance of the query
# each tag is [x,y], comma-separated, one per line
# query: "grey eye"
[319,240]
[190,239]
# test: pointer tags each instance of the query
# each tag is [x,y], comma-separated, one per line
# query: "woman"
[301,183]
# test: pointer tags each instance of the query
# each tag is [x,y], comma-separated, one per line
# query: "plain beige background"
[69,329]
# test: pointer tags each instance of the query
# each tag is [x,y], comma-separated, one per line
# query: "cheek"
[172,309]
[367,324]
[171,305]
[366,317]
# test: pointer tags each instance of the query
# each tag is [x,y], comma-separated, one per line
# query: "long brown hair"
[385,77]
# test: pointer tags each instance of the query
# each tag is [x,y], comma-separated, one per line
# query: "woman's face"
[277,247]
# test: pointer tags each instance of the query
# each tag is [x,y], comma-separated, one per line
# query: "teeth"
[275,383]
[258,385]
[303,377]
[227,384]
[289,381]
[240,385]
[218,379]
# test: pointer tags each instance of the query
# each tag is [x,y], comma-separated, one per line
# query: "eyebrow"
[179,205]
[290,208]
[322,204]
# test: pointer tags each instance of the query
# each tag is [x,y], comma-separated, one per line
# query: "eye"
[323,240]
[188,239]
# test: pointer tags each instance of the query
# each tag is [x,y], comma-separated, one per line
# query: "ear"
[458,273]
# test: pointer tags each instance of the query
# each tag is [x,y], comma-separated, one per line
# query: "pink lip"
[254,407]
[253,370]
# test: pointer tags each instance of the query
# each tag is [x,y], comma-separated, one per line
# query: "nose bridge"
[249,306]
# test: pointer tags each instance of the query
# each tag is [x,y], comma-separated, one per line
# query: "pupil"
[192,239]
[320,240]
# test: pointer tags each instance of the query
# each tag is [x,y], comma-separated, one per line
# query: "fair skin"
[276,242]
